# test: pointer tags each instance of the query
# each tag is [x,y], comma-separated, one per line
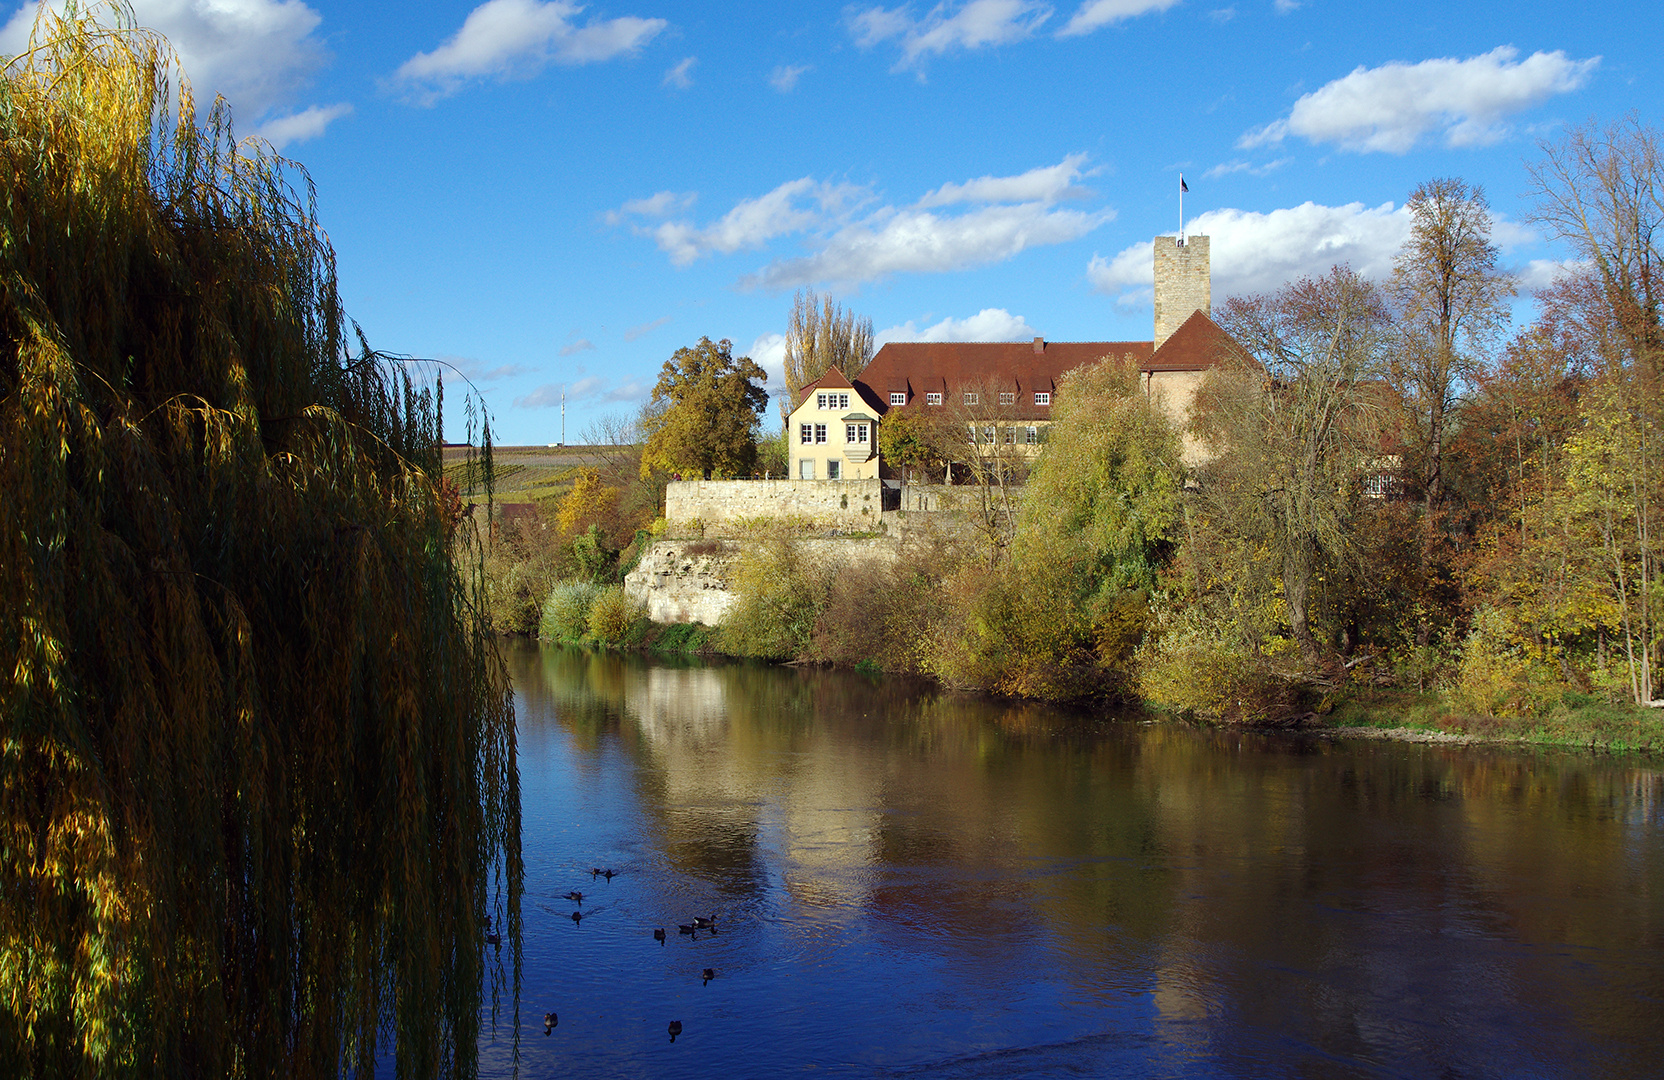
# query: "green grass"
[1577,720]
[694,638]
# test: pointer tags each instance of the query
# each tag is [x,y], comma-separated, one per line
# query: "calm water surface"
[914,883]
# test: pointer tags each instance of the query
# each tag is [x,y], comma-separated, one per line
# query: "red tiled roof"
[1195,346]
[945,367]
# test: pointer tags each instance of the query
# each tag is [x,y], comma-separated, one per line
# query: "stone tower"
[1182,282]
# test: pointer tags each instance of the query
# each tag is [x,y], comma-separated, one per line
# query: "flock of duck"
[692,929]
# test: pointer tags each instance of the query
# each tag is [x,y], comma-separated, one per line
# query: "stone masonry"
[1183,285]
[730,507]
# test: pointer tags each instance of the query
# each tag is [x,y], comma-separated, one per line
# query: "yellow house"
[833,432]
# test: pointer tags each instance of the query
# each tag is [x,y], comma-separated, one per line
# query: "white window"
[805,433]
[933,399]
[806,468]
[832,468]
[1031,435]
[898,397]
[973,399]
[1042,397]
[820,433]
[1008,399]
[860,433]
[1010,435]
[849,433]
[820,401]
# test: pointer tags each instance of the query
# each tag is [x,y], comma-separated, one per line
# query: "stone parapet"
[737,507]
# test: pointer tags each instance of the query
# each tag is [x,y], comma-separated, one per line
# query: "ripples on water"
[916,884]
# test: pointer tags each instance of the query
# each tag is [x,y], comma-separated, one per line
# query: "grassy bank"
[1577,721]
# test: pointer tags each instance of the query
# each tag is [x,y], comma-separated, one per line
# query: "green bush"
[779,596]
[613,617]
[566,611]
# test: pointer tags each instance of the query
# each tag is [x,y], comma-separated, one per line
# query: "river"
[909,882]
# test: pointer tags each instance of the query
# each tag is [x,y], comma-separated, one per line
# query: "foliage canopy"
[257,781]
[702,421]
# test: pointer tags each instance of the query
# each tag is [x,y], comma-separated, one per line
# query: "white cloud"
[659,205]
[1540,274]
[575,347]
[1284,7]
[1252,252]
[1226,168]
[784,78]
[1390,108]
[795,206]
[769,352]
[1045,184]
[590,388]
[301,126]
[258,53]
[974,25]
[853,242]
[681,76]
[989,324]
[475,370]
[919,242]
[1096,14]
[517,38]
[645,328]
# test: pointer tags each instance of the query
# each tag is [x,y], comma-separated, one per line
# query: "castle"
[1003,392]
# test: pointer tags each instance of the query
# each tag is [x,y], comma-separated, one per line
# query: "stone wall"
[684,581]
[731,507]
[1183,284]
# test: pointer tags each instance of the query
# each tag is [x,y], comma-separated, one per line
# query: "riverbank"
[1578,722]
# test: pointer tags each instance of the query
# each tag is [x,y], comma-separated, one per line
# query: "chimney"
[1039,345]
[1183,285]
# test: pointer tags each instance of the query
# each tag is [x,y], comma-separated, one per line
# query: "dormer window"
[933,399]
[973,399]
[898,397]
[1042,397]
[1008,399]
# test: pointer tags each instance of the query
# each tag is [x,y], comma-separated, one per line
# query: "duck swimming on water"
[675,1029]
[710,973]
[658,935]
[549,1022]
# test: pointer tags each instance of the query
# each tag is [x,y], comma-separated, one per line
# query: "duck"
[700,923]
[675,1029]
[710,973]
[549,1022]
[493,939]
[658,935]
[594,872]
[577,917]
[575,896]
[686,928]
[607,874]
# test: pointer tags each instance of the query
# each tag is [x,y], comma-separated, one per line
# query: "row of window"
[1041,397]
[1030,436]
[806,469]
[831,401]
[816,433]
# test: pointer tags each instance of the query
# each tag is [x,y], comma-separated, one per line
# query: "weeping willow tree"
[257,781]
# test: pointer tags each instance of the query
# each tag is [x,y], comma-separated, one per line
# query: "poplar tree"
[822,334]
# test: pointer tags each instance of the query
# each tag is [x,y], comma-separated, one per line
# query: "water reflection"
[926,883]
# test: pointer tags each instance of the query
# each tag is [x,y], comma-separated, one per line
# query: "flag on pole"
[1182,185]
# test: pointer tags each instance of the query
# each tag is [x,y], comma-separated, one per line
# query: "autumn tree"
[1452,302]
[822,334]
[1601,190]
[702,419]
[1294,424]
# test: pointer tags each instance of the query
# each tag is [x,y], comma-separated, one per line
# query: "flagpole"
[1181,209]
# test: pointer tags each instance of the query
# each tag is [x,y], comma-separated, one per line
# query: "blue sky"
[557,196]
